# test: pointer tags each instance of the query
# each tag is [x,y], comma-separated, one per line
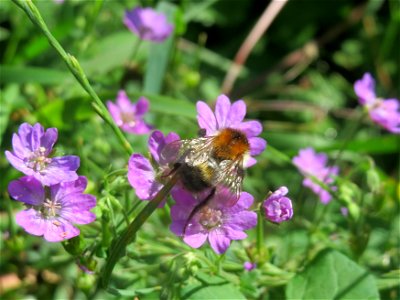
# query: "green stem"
[72,63]
[260,233]
[136,49]
[117,249]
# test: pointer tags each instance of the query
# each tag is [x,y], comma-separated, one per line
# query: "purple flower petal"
[60,169]
[19,148]
[365,89]
[142,106]
[148,24]
[184,198]
[31,221]
[59,191]
[222,108]
[218,241]
[257,145]
[124,103]
[142,178]
[237,112]
[234,234]
[75,208]
[251,161]
[49,139]
[157,142]
[243,220]
[140,128]
[36,136]
[115,113]
[59,230]
[386,113]
[27,189]
[129,116]
[206,118]
[195,240]
[19,164]
[250,128]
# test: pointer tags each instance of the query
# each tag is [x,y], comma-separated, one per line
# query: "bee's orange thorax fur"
[230,144]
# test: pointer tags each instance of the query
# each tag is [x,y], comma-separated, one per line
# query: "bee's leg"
[198,207]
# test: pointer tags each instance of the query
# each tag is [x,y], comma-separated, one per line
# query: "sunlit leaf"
[332,275]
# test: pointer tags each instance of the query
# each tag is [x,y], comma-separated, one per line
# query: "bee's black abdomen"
[193,179]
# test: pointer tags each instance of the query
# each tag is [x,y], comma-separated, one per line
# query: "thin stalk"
[260,233]
[72,63]
[117,249]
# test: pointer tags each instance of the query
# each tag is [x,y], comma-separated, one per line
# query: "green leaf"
[111,52]
[223,291]
[7,99]
[159,55]
[168,105]
[332,275]
[22,74]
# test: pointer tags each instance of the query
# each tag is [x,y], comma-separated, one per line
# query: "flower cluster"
[314,166]
[193,218]
[148,24]
[384,112]
[52,190]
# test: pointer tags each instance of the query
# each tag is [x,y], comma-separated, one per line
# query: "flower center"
[37,160]
[210,218]
[51,208]
[128,118]
[374,105]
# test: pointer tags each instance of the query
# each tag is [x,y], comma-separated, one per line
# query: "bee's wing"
[230,175]
[172,152]
[193,151]
[200,151]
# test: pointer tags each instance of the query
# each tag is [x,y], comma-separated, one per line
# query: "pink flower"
[384,112]
[52,210]
[312,164]
[144,178]
[229,115]
[277,207]
[148,24]
[216,221]
[129,116]
[32,149]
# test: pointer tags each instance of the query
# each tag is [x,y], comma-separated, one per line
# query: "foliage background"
[297,81]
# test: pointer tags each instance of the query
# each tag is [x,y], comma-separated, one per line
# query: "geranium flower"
[384,112]
[52,210]
[277,207]
[144,178]
[129,116]
[215,221]
[148,24]
[32,148]
[229,115]
[311,164]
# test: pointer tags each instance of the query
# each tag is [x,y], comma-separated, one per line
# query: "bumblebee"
[210,162]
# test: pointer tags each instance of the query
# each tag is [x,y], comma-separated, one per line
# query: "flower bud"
[278,208]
